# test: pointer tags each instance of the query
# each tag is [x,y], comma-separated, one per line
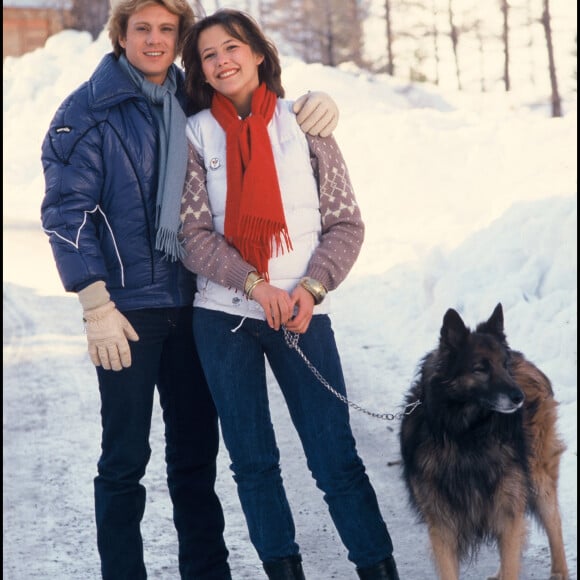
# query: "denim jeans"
[165,356]
[235,367]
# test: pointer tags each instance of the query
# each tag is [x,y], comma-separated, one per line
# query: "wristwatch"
[315,288]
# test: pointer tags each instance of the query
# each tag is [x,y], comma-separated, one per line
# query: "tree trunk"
[435,34]
[454,43]
[556,101]
[506,45]
[389,24]
[90,15]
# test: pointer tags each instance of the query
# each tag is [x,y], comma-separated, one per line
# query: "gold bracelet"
[252,280]
[316,289]
[249,293]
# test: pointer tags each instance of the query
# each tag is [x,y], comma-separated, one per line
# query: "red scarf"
[254,222]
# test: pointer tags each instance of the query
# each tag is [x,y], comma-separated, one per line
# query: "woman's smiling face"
[230,66]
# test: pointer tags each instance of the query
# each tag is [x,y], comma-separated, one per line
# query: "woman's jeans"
[235,367]
[165,356]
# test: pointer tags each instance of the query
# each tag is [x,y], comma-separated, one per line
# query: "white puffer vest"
[299,197]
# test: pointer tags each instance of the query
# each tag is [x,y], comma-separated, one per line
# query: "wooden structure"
[26,26]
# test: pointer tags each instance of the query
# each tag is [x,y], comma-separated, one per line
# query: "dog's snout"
[507,400]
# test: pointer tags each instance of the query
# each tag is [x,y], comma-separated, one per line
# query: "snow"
[468,201]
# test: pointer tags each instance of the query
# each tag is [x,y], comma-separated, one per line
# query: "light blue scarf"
[172,162]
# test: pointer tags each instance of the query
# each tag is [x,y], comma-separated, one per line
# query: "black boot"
[385,570]
[289,568]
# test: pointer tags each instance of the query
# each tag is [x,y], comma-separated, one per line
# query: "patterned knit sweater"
[340,232]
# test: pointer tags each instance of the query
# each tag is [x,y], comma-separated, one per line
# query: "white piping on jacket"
[75,243]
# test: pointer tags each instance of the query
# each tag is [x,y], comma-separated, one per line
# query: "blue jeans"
[165,356]
[235,367]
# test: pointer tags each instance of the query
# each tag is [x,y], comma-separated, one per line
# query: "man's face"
[151,41]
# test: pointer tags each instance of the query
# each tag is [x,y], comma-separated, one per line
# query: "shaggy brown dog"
[482,449]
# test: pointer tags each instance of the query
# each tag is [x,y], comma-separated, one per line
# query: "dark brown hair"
[244,28]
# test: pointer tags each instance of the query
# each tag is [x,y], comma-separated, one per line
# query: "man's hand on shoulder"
[316,113]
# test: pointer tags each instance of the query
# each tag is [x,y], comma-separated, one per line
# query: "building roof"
[36,3]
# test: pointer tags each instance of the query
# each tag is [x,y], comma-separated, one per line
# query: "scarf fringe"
[266,239]
[167,242]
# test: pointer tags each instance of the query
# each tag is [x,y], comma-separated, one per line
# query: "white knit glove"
[106,328]
[316,113]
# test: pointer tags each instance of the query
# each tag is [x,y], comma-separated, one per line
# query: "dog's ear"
[453,332]
[494,324]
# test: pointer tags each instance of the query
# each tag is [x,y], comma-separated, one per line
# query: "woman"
[269,236]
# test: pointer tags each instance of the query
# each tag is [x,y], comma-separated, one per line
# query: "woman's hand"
[303,307]
[276,303]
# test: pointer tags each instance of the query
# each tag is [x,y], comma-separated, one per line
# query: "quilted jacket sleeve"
[70,211]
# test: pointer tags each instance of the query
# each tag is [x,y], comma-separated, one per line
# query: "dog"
[482,450]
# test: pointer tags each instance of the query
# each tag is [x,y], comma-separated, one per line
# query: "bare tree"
[481,49]
[326,31]
[435,36]
[389,31]
[454,35]
[415,37]
[337,29]
[90,15]
[505,8]
[415,41]
[546,22]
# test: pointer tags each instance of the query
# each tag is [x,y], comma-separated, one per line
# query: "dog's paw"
[558,577]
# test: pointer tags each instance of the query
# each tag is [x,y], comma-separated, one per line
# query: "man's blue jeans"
[165,356]
[235,367]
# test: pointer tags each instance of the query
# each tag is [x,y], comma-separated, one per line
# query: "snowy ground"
[467,202]
[51,444]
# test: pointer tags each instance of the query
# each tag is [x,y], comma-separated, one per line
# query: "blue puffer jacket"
[100,166]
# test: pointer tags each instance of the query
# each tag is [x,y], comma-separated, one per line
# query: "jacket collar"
[109,85]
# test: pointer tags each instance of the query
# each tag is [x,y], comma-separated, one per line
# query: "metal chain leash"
[291,339]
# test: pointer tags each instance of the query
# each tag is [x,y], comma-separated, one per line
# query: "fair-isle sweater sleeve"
[343,230]
[206,251]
